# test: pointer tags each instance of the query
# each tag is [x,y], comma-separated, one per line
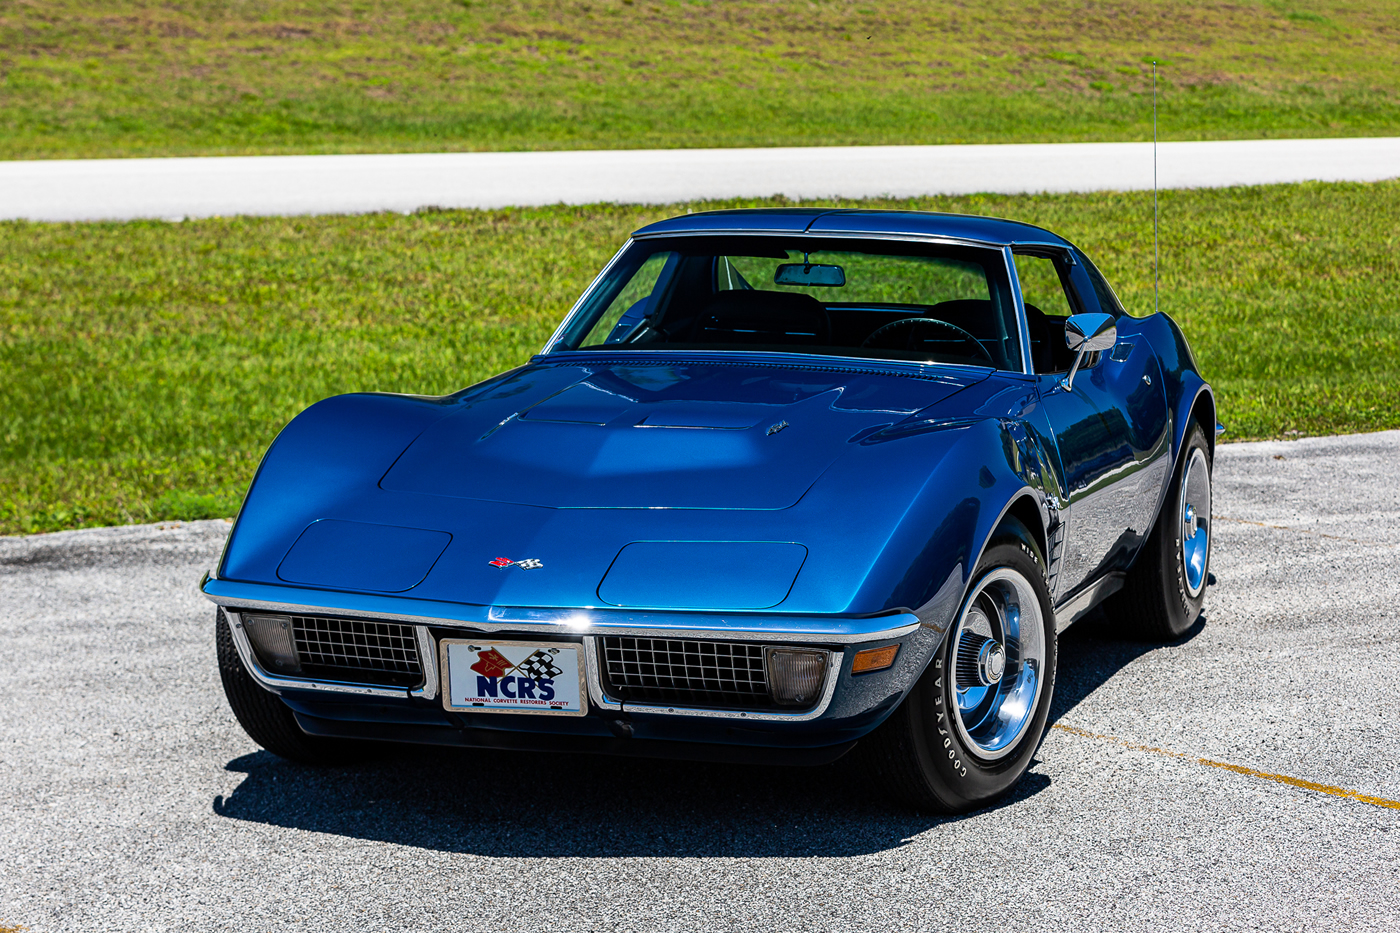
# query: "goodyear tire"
[1166,588]
[969,729]
[265,718]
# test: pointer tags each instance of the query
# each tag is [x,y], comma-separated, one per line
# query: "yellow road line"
[1238,769]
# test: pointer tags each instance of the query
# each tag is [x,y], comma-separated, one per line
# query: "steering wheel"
[912,324]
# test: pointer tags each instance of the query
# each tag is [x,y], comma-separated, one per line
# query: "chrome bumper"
[587,625]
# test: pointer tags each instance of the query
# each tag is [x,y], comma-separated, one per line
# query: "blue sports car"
[783,485]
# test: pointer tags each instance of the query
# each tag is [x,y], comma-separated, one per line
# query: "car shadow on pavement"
[1093,650]
[525,804]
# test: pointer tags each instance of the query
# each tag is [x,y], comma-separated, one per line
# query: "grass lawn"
[148,364]
[87,78]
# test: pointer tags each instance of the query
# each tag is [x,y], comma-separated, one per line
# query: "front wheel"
[968,730]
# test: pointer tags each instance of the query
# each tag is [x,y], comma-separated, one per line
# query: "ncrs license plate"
[513,677]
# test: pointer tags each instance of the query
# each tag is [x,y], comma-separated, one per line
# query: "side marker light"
[874,659]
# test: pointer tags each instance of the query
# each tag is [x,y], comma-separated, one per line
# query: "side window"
[1048,303]
[1108,299]
[728,278]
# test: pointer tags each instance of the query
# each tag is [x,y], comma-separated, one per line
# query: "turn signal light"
[796,675]
[873,659]
[272,642]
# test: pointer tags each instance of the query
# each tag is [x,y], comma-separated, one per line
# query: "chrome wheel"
[1195,522]
[999,663]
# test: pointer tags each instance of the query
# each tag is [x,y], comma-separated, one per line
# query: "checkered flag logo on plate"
[539,666]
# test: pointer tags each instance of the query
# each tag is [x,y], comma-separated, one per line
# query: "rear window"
[806,295]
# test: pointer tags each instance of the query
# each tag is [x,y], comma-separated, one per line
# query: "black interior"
[1048,351]
[751,316]
[757,317]
[772,319]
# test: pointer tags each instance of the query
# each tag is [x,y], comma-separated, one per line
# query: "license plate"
[513,677]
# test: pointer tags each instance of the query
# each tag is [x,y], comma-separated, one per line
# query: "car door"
[1110,426]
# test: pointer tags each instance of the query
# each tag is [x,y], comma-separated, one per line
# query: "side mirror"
[1087,333]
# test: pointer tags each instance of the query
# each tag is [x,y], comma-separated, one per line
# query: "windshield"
[903,301]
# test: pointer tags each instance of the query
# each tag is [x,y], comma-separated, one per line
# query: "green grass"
[81,78]
[148,365]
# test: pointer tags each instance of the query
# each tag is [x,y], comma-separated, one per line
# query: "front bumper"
[849,707]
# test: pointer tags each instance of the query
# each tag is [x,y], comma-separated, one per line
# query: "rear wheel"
[266,719]
[1166,588]
[968,730]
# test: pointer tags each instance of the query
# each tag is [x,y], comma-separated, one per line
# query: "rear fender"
[1189,396]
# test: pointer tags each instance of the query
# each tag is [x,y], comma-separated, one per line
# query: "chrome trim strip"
[833,671]
[813,629]
[427,660]
[277,684]
[593,674]
[1019,301]
[1080,604]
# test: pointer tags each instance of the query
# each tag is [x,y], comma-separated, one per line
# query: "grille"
[689,673]
[361,650]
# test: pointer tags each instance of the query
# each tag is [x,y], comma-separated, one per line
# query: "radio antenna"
[1156,249]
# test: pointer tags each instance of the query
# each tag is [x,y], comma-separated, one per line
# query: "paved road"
[131,800]
[122,189]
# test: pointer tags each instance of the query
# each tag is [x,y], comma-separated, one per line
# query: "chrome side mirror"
[1087,333]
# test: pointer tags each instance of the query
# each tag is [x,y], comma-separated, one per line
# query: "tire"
[940,751]
[264,716]
[1166,587]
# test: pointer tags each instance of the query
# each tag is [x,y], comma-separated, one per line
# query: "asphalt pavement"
[132,801]
[123,189]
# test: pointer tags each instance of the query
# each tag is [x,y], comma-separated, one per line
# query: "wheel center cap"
[992,664]
[1190,522]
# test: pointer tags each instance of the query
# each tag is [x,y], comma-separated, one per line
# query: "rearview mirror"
[1088,333]
[802,273]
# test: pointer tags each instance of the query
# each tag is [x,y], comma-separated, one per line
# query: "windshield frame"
[555,345]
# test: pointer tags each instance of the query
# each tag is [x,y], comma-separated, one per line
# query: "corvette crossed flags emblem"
[529,563]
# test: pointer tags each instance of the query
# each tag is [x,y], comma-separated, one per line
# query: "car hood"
[630,435]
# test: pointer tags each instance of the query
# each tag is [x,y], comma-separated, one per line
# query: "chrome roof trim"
[1018,301]
[934,238]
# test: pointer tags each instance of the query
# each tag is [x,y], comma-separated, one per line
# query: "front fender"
[333,451]
[993,470]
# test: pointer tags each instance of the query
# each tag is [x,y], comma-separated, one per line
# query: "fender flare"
[1189,396]
[1023,506]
